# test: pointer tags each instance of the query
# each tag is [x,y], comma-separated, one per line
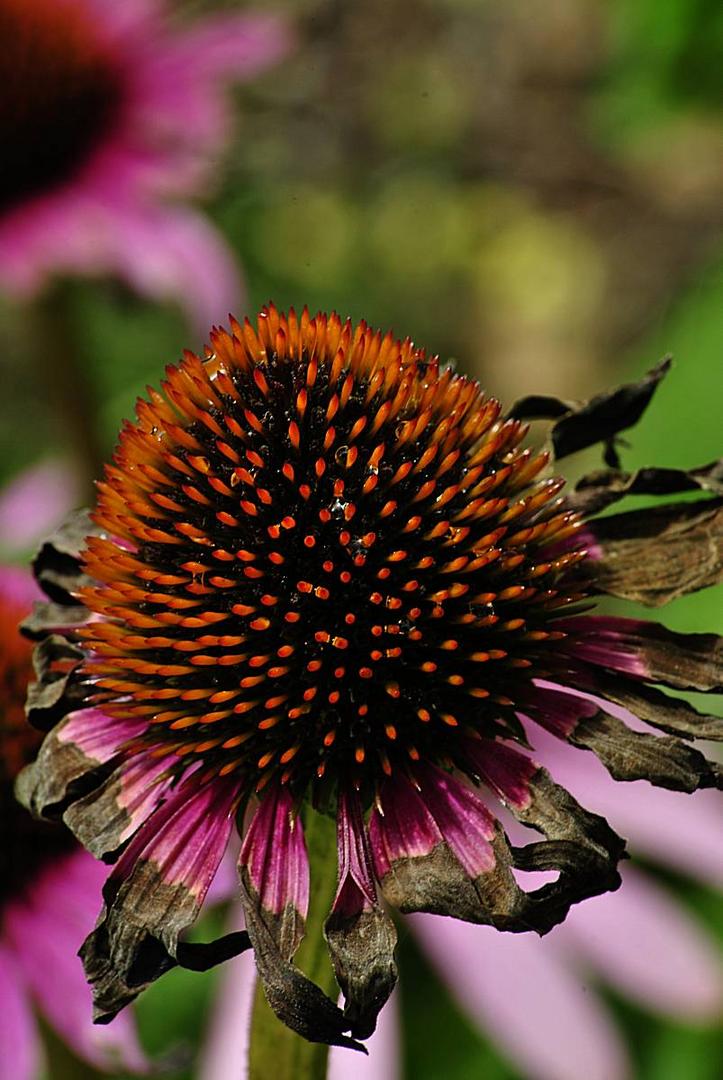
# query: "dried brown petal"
[653,556]
[581,424]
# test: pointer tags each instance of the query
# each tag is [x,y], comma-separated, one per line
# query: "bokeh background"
[533,189]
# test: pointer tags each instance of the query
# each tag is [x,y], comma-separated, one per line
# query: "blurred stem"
[275,1050]
[66,382]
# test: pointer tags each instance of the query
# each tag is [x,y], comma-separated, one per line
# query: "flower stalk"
[276,1050]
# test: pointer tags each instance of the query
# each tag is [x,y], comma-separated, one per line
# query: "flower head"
[325,577]
[108,111]
[48,888]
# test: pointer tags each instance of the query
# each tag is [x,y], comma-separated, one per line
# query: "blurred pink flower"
[109,112]
[535,997]
[34,503]
[48,894]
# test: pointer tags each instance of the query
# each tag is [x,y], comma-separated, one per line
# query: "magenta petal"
[96,734]
[557,710]
[506,771]
[186,836]
[176,254]
[47,929]
[404,828]
[72,749]
[274,855]
[107,817]
[360,935]
[463,819]
[156,891]
[522,993]
[357,891]
[19,1041]
[274,873]
[646,945]
[645,650]
[437,848]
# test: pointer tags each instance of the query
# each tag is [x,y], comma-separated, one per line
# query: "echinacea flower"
[109,113]
[325,577]
[48,891]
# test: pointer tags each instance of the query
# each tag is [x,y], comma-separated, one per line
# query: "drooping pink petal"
[19,1039]
[357,891]
[156,890]
[174,253]
[35,502]
[273,855]
[360,935]
[274,873]
[437,848]
[46,927]
[646,945]
[521,990]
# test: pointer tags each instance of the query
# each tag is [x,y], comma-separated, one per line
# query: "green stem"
[275,1050]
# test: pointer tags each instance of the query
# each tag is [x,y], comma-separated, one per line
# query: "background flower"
[48,895]
[112,114]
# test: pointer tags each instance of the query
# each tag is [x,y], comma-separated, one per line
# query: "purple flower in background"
[34,502]
[326,578]
[110,114]
[48,892]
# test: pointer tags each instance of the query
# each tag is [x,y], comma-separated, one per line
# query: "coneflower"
[325,577]
[110,114]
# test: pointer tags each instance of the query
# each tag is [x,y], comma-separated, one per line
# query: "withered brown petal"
[648,703]
[438,883]
[653,556]
[155,893]
[579,844]
[57,564]
[48,617]
[297,1001]
[362,952]
[55,692]
[601,489]
[633,755]
[580,424]
[60,773]
[137,940]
